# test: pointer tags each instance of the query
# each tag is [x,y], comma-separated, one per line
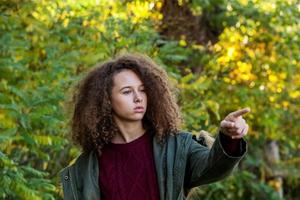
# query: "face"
[128,97]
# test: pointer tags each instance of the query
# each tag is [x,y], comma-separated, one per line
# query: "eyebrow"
[128,87]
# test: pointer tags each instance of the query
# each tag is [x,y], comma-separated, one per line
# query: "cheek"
[120,103]
[145,99]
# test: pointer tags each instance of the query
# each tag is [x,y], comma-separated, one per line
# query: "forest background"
[221,56]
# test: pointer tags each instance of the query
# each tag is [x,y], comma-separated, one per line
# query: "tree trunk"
[274,174]
[179,23]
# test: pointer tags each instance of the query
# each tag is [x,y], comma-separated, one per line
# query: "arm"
[209,165]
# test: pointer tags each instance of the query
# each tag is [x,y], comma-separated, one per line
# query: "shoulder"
[81,162]
[187,140]
[81,177]
[78,171]
[182,139]
[204,138]
[185,136]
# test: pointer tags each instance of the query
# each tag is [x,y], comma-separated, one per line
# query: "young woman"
[126,121]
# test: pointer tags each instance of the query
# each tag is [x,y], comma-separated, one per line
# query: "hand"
[234,125]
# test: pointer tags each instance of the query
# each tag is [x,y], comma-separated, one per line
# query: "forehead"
[126,77]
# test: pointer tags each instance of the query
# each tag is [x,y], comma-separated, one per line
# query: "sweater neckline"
[130,144]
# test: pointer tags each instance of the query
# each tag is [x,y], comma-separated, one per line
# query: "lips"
[139,109]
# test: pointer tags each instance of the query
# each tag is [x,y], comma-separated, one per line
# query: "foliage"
[47,46]
[236,187]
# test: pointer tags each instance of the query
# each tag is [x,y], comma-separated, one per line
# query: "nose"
[137,98]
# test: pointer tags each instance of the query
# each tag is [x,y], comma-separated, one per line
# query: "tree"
[246,53]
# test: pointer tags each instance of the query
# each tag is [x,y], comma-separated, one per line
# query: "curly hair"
[92,124]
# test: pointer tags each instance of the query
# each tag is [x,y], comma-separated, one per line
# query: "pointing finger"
[240,112]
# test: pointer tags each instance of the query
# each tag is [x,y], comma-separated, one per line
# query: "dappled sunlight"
[249,57]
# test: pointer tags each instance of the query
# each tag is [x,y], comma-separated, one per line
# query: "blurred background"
[221,56]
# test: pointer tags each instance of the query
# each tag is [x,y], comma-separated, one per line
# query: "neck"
[129,131]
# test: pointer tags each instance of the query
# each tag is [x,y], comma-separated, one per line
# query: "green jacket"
[181,163]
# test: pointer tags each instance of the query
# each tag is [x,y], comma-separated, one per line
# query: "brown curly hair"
[92,124]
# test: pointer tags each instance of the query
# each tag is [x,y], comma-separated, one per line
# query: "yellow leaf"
[294,94]
[230,52]
[66,22]
[182,43]
[85,23]
[285,104]
[273,78]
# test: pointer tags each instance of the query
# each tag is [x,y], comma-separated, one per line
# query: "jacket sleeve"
[206,165]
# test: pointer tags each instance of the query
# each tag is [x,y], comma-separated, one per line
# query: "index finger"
[240,112]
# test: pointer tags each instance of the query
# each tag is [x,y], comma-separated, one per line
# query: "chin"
[137,118]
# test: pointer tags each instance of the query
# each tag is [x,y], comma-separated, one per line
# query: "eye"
[126,92]
[142,90]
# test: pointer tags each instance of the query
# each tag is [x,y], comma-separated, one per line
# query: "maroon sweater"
[128,170]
